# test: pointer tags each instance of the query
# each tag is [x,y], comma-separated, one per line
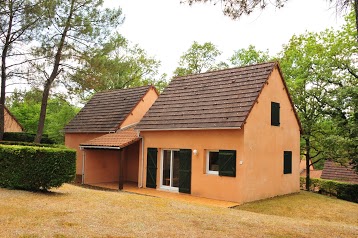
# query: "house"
[314,173]
[336,171]
[103,135]
[11,124]
[231,134]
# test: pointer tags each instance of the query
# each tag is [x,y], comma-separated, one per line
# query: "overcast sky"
[166,28]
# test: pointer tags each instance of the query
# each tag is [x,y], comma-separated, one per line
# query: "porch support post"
[121,170]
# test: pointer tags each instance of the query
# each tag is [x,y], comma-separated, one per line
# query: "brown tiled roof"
[313,173]
[121,138]
[335,171]
[217,99]
[106,110]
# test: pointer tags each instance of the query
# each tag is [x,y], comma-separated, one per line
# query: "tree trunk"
[308,159]
[55,72]
[356,12]
[3,73]
[2,95]
[42,118]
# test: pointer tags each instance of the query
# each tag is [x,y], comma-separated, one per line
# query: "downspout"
[83,165]
[142,166]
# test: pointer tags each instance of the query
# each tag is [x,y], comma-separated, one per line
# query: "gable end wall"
[264,145]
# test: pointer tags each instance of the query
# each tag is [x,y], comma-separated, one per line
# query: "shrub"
[32,144]
[341,190]
[25,137]
[35,168]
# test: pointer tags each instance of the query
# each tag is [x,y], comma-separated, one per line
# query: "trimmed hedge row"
[26,137]
[35,168]
[32,144]
[341,190]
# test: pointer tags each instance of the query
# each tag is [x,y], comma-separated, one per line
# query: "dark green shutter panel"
[287,162]
[152,167]
[185,171]
[227,163]
[275,114]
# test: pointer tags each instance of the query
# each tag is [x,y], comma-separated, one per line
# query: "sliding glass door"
[170,170]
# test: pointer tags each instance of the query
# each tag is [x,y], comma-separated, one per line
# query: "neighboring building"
[102,133]
[314,173]
[11,124]
[336,171]
[231,134]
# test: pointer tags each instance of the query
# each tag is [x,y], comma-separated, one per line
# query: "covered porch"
[112,159]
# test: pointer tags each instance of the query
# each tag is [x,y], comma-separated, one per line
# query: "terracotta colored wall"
[204,185]
[101,166]
[265,145]
[259,147]
[73,141]
[143,106]
[10,124]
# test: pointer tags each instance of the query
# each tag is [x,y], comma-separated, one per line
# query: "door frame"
[165,187]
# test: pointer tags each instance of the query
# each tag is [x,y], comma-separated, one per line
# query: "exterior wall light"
[195,152]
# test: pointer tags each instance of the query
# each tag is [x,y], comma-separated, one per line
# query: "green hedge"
[26,137]
[35,168]
[341,190]
[32,144]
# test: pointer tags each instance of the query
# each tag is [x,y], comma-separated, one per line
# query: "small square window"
[212,162]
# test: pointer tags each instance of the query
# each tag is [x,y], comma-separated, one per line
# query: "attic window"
[275,114]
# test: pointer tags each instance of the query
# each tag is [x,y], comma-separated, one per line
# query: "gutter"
[100,147]
[142,166]
[191,129]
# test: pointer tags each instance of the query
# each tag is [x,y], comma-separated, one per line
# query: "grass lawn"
[72,211]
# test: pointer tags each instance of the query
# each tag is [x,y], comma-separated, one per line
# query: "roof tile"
[106,110]
[335,171]
[217,99]
[121,138]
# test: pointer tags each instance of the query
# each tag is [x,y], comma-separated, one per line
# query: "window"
[212,162]
[222,162]
[275,114]
[287,162]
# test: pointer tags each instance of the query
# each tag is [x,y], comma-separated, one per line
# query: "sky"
[167,28]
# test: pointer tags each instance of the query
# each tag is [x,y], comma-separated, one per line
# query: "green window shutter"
[152,167]
[227,163]
[275,114]
[287,162]
[185,171]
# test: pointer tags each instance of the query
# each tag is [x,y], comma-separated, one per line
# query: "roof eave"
[190,129]
[99,147]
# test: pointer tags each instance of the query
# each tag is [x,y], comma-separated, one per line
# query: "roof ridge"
[123,89]
[274,62]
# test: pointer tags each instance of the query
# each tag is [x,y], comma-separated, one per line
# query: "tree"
[249,56]
[116,64]
[73,26]
[236,8]
[25,105]
[198,59]
[320,72]
[18,20]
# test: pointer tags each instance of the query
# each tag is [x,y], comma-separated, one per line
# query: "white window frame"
[207,163]
[162,186]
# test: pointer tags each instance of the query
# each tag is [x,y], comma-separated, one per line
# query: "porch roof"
[118,140]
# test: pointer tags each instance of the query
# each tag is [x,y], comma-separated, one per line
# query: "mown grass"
[72,211]
[306,205]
